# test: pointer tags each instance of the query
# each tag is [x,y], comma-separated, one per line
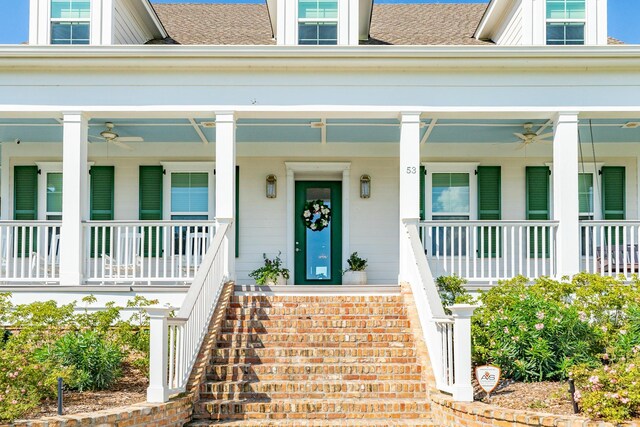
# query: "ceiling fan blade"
[97,137]
[545,135]
[521,136]
[129,139]
[121,145]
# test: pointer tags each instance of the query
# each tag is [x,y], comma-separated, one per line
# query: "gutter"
[278,57]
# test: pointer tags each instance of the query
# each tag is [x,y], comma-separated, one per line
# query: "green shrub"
[451,290]
[97,362]
[610,392]
[533,332]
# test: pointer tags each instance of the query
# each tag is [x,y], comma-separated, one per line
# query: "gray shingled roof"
[394,24]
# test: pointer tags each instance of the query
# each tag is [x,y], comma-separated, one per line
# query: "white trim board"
[316,168]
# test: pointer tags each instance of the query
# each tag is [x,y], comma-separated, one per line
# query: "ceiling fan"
[110,135]
[530,137]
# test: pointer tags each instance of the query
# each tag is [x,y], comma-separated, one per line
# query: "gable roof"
[395,24]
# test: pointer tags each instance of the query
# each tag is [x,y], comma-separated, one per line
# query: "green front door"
[318,251]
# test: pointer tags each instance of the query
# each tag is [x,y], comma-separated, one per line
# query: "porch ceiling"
[314,131]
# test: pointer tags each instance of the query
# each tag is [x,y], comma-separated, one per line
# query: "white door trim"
[318,167]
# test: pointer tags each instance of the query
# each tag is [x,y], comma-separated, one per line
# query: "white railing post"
[158,391]
[462,388]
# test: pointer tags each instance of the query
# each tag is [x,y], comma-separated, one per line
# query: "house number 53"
[411,170]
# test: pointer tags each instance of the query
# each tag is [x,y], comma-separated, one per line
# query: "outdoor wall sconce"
[272,187]
[365,186]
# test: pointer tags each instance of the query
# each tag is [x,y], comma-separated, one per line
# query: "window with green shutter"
[613,192]
[25,203]
[613,198]
[101,206]
[585,196]
[538,207]
[150,205]
[489,205]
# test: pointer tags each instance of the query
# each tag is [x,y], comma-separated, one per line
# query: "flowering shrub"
[611,392]
[533,332]
[45,341]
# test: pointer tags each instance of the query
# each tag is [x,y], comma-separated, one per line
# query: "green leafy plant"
[452,291]
[612,391]
[533,332]
[356,263]
[97,362]
[270,271]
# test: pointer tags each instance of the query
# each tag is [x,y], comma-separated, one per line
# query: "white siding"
[510,32]
[128,28]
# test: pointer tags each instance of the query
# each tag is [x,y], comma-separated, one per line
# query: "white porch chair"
[49,260]
[126,257]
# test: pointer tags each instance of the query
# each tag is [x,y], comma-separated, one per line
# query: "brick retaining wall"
[174,413]
[448,413]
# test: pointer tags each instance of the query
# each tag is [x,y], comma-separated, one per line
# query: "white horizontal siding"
[127,26]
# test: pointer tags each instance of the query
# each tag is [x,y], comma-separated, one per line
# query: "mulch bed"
[548,397]
[131,388]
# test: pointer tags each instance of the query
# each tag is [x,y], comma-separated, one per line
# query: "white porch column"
[565,192]
[74,197]
[409,181]
[226,180]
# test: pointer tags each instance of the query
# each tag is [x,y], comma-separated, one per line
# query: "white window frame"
[51,20]
[299,20]
[45,168]
[593,169]
[451,167]
[187,167]
[566,21]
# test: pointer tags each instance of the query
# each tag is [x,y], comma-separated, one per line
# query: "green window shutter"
[25,203]
[423,175]
[150,203]
[101,204]
[237,211]
[613,192]
[538,205]
[489,204]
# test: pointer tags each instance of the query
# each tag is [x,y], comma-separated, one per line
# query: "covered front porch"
[498,194]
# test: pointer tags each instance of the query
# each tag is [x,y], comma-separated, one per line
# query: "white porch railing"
[175,342]
[610,248]
[29,251]
[448,338]
[145,251]
[488,251]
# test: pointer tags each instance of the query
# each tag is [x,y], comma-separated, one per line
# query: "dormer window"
[317,22]
[565,22]
[70,21]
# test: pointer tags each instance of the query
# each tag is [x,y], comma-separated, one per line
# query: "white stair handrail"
[175,342]
[448,338]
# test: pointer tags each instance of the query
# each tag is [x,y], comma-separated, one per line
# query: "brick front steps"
[314,361]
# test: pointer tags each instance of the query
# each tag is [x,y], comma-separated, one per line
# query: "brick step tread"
[377,422]
[273,351]
[345,360]
[252,330]
[315,423]
[259,384]
[342,345]
[241,315]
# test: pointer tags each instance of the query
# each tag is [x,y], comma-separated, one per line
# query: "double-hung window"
[189,196]
[450,196]
[566,22]
[70,21]
[317,22]
[54,196]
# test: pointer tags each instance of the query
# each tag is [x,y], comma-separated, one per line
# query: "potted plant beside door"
[355,274]
[271,273]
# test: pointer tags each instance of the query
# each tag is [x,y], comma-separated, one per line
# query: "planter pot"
[280,281]
[354,278]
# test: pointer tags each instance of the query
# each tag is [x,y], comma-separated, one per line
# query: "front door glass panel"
[318,243]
